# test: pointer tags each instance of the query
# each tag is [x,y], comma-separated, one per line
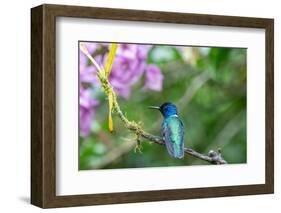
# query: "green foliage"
[210,92]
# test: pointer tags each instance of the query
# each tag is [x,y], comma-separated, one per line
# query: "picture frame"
[44,114]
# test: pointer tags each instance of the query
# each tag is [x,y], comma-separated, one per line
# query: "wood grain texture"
[36,106]
[43,105]
[269,137]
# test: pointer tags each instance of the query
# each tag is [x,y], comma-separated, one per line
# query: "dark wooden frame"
[43,105]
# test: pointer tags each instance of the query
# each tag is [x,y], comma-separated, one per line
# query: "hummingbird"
[172,129]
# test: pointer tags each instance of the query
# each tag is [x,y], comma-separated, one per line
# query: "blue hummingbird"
[172,130]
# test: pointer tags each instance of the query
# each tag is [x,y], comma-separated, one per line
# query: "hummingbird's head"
[167,109]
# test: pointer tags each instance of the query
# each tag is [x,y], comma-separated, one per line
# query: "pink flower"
[153,78]
[128,67]
[86,111]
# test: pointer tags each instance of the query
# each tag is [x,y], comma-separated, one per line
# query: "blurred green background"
[208,85]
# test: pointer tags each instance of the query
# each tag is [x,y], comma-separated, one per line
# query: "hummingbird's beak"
[154,107]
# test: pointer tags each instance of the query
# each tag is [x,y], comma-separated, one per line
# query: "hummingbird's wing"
[173,133]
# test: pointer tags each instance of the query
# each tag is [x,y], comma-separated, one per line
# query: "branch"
[213,157]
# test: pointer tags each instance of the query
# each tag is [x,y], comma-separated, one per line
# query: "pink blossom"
[87,104]
[153,78]
[128,67]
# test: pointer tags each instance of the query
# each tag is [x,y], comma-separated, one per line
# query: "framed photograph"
[135,106]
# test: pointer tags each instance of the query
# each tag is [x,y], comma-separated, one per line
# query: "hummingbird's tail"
[175,150]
